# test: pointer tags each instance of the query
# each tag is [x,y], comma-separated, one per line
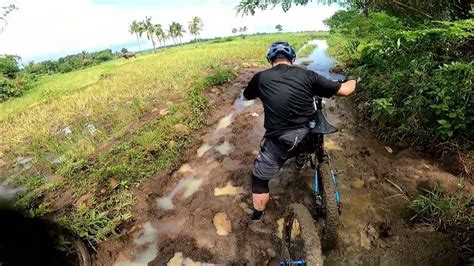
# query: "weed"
[402,192]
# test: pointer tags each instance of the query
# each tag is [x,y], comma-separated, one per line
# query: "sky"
[48,29]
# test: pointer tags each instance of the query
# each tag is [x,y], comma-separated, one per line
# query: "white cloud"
[58,27]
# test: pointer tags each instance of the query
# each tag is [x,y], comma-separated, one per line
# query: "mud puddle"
[208,218]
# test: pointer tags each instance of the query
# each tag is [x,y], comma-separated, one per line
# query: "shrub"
[418,80]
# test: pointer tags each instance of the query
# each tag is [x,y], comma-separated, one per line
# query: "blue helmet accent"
[282,48]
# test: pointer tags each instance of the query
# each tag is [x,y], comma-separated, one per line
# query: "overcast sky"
[43,29]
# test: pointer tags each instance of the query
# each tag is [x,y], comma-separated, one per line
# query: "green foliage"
[9,66]
[69,63]
[453,213]
[13,83]
[440,209]
[195,27]
[4,12]
[418,81]
[409,9]
[279,27]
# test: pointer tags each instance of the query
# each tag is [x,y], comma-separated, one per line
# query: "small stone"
[246,65]
[185,168]
[24,163]
[228,190]
[67,130]
[181,129]
[280,227]
[91,129]
[255,115]
[103,191]
[83,199]
[255,152]
[364,240]
[172,143]
[164,112]
[388,149]
[358,184]
[56,179]
[271,252]
[113,183]
[255,65]
[222,224]
[371,181]
[58,160]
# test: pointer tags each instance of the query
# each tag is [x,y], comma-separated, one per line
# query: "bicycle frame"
[320,128]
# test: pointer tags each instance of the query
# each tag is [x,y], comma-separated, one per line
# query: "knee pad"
[259,186]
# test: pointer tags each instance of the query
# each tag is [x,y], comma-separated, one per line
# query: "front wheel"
[300,238]
[331,209]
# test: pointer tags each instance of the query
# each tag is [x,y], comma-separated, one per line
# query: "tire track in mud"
[200,211]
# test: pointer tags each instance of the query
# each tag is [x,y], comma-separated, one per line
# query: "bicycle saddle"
[322,125]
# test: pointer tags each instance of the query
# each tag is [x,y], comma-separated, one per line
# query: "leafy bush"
[70,62]
[418,80]
[9,65]
[12,82]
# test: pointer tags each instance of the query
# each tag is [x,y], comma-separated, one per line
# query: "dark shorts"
[275,151]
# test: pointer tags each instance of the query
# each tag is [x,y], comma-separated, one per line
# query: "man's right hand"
[348,87]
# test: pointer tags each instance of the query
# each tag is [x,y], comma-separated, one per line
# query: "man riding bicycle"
[287,94]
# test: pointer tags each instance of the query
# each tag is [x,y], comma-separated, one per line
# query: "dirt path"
[200,212]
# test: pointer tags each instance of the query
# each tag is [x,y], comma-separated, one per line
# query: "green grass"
[307,50]
[113,96]
[440,209]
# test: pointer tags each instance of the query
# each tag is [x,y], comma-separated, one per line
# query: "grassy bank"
[93,135]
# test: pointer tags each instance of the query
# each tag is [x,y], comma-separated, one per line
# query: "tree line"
[157,33]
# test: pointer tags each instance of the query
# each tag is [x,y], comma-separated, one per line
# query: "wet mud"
[199,212]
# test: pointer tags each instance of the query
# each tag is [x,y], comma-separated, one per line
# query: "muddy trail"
[200,212]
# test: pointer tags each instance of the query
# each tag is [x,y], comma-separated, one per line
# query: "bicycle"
[298,221]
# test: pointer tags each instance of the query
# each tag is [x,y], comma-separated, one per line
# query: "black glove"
[357,79]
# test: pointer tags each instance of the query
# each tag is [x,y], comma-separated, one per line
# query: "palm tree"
[150,31]
[195,27]
[279,27]
[136,28]
[176,30]
[171,32]
[160,33]
[247,7]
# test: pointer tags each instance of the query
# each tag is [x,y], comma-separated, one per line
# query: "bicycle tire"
[308,232]
[331,209]
[81,251]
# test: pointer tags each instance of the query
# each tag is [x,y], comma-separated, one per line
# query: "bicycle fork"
[334,181]
[299,262]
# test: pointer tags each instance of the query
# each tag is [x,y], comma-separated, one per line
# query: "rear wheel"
[300,239]
[330,208]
